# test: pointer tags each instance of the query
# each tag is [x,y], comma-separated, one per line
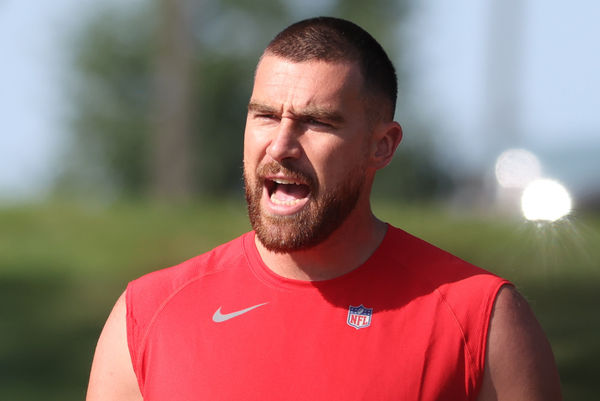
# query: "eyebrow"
[309,112]
[261,108]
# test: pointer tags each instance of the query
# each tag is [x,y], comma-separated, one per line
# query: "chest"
[257,343]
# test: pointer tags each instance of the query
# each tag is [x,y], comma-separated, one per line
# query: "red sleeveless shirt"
[409,324]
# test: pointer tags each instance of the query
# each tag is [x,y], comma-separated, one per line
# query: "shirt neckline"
[270,278]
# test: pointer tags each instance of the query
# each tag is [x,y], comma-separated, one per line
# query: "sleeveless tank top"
[411,323]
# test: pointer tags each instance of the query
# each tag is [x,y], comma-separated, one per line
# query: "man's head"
[317,130]
[336,40]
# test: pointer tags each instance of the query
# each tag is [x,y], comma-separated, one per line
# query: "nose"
[284,144]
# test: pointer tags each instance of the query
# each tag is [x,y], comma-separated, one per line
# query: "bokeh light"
[545,200]
[516,168]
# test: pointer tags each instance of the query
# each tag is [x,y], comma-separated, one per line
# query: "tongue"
[287,192]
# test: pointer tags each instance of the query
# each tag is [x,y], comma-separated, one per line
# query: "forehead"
[282,83]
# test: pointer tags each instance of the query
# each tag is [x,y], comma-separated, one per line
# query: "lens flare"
[545,200]
[516,168]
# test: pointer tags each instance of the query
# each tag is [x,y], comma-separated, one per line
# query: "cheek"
[345,162]
[255,144]
[250,150]
[330,162]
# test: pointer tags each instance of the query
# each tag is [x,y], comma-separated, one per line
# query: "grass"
[62,266]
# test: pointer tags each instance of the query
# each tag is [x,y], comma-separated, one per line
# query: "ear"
[386,139]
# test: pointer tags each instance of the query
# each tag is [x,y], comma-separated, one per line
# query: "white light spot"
[515,168]
[545,199]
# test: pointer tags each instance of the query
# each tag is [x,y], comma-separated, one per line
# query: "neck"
[348,247]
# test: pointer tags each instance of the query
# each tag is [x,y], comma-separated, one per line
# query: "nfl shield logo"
[359,317]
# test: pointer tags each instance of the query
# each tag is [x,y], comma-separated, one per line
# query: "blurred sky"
[556,83]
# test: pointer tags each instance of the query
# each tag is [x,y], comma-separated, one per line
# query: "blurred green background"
[64,265]
[148,174]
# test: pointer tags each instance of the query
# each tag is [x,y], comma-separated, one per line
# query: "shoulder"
[464,294]
[148,295]
[438,269]
[519,361]
[112,376]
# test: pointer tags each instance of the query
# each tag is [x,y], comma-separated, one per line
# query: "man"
[322,300]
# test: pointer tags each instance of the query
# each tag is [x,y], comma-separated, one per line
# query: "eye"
[266,116]
[318,123]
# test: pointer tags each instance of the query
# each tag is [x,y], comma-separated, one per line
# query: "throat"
[332,258]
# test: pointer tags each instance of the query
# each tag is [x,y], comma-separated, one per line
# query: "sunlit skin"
[312,116]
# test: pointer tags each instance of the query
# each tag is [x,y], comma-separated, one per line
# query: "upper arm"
[519,361]
[112,377]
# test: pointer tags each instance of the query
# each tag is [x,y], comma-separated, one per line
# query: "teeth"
[284,181]
[291,202]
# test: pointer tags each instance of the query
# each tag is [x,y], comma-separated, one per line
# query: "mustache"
[292,172]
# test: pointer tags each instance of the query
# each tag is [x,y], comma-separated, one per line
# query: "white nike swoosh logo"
[219,317]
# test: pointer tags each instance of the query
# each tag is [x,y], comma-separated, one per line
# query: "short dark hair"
[337,40]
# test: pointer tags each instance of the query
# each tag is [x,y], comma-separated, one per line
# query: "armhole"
[131,336]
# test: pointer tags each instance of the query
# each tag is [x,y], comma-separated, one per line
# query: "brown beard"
[320,217]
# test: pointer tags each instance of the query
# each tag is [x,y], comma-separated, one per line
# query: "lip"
[282,208]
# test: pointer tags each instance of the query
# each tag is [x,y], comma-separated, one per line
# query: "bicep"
[112,376]
[519,361]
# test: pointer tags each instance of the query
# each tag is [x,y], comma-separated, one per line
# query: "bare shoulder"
[112,376]
[519,361]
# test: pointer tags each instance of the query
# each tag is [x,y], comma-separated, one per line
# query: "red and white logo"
[359,317]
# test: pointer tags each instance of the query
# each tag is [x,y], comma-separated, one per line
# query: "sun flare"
[545,200]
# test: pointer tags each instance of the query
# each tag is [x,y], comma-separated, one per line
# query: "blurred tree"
[123,56]
[171,163]
[111,97]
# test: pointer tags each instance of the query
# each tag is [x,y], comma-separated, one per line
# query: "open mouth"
[286,192]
